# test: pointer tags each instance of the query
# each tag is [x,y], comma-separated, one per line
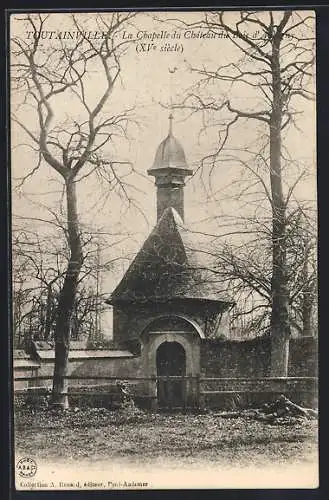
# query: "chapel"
[169,300]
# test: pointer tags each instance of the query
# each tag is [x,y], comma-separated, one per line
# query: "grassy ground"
[97,434]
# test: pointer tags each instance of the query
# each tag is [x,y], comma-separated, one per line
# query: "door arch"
[171,362]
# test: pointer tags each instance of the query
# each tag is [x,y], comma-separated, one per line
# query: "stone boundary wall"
[251,358]
[227,358]
[303,357]
[239,393]
[107,367]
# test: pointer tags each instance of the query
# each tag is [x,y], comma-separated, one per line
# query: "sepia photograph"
[164,244]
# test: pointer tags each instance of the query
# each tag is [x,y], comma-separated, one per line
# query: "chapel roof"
[172,264]
[170,153]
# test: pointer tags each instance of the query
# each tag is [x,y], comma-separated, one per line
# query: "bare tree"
[302,271]
[38,268]
[246,268]
[39,263]
[276,67]
[73,147]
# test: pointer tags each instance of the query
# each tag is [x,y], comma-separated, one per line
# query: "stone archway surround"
[190,341]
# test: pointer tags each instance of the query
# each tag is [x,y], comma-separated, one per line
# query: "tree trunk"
[66,300]
[17,315]
[49,306]
[307,315]
[280,328]
[308,295]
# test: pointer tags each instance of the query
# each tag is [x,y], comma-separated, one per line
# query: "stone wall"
[241,393]
[129,321]
[107,367]
[247,361]
[303,357]
[23,373]
[23,367]
[250,361]
[251,358]
[220,358]
[115,367]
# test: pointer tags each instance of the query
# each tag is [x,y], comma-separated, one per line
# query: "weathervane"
[171,116]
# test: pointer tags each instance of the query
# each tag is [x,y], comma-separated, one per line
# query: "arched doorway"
[171,362]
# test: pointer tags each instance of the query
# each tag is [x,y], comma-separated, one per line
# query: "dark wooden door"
[171,362]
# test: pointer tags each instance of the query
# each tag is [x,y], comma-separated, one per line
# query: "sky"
[150,82]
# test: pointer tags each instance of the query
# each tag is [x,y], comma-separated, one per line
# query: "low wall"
[246,362]
[102,391]
[234,393]
[107,367]
[303,357]
[251,358]
[23,372]
[224,358]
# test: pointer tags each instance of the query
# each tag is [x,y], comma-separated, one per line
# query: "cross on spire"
[171,71]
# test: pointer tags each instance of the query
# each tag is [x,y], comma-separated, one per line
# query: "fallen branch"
[299,410]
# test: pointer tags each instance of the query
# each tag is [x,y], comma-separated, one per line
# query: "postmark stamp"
[26,467]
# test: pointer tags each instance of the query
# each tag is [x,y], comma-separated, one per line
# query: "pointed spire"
[171,117]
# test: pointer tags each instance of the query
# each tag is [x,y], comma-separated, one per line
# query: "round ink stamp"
[26,467]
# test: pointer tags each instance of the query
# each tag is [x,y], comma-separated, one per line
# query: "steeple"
[170,169]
